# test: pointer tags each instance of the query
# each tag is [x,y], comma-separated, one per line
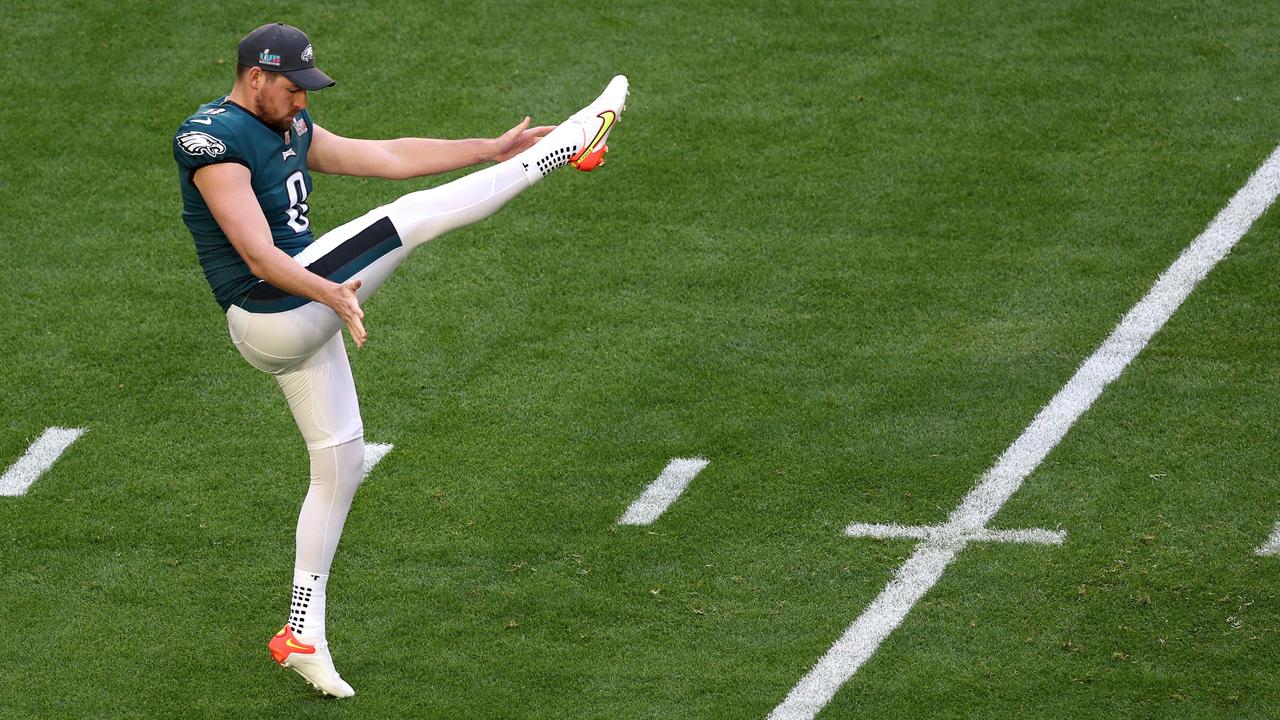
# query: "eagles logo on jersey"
[195,142]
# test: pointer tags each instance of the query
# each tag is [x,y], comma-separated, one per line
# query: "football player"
[244,167]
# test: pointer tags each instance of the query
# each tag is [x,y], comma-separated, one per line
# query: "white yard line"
[932,556]
[41,456]
[373,453]
[663,491]
[1271,547]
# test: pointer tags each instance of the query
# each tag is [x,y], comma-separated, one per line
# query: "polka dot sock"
[306,607]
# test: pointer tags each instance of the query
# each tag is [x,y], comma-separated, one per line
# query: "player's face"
[278,100]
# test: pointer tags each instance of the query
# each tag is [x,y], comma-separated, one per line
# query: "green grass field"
[844,251]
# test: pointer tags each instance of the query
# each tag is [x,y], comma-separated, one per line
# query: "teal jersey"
[222,131]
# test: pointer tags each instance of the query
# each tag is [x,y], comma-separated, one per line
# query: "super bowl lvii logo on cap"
[266,57]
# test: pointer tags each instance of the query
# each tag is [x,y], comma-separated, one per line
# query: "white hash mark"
[41,456]
[663,491]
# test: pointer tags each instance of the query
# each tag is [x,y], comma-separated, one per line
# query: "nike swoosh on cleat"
[607,119]
[304,648]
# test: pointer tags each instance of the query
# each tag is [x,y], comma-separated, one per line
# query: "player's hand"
[342,298]
[518,139]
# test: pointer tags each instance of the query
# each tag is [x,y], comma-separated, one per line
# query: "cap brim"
[312,78]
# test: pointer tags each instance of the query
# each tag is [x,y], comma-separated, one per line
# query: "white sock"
[306,608]
[551,152]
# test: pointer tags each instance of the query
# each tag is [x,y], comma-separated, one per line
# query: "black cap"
[284,49]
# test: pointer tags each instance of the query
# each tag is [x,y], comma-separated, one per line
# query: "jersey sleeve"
[207,140]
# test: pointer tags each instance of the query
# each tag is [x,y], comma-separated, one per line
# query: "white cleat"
[580,140]
[312,662]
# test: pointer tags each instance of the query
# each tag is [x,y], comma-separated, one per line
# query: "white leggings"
[302,345]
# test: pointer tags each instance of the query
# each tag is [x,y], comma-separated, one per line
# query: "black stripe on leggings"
[341,263]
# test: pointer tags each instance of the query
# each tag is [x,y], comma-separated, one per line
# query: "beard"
[283,124]
[282,121]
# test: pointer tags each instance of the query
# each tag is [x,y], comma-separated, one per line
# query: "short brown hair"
[242,70]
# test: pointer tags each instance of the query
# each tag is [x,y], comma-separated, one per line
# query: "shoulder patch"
[195,143]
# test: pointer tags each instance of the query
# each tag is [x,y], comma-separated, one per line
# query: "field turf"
[844,251]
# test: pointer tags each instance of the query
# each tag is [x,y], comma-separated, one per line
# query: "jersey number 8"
[297,187]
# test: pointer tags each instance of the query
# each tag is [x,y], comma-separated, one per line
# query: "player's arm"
[412,157]
[227,191]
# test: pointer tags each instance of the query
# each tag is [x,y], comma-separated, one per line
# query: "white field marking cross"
[940,545]
[41,456]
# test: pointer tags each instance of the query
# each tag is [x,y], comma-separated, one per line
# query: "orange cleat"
[586,162]
[592,154]
[580,140]
[312,662]
[600,116]
[285,643]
